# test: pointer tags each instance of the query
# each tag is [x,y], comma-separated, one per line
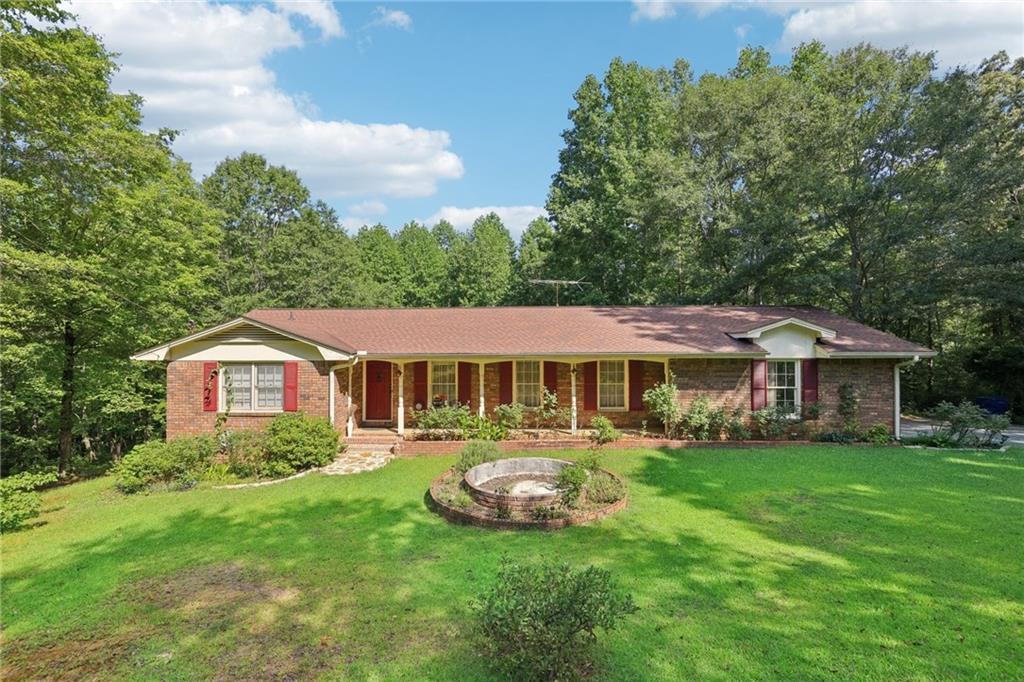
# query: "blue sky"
[403,111]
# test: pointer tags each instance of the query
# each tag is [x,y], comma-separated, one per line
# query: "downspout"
[896,394]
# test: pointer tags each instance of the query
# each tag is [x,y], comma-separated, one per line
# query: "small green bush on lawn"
[179,463]
[296,442]
[18,500]
[539,622]
[476,452]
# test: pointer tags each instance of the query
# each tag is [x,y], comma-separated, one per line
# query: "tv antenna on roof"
[559,283]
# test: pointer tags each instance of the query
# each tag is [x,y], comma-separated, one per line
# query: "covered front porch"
[385,392]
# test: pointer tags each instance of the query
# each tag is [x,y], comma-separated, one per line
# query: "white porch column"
[896,401]
[401,399]
[572,411]
[349,421]
[480,398]
[332,386]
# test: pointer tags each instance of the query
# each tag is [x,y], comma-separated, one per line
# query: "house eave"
[820,332]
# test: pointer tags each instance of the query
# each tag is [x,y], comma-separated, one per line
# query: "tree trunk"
[67,386]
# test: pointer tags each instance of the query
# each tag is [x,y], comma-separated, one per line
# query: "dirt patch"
[236,621]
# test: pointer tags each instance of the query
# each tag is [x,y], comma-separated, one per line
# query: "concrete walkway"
[917,426]
[356,460]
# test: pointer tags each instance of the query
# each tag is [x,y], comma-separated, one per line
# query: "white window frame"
[453,399]
[797,389]
[540,384]
[625,387]
[253,394]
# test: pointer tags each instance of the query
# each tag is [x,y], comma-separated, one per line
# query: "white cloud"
[742,31]
[515,218]
[200,68]
[320,13]
[393,18]
[960,32]
[368,208]
[963,33]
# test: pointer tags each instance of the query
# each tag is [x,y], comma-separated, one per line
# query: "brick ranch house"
[372,367]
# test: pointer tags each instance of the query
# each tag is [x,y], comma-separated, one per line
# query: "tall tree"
[453,244]
[484,271]
[106,245]
[532,263]
[427,265]
[387,267]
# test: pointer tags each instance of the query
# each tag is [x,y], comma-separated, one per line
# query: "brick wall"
[185,415]
[872,381]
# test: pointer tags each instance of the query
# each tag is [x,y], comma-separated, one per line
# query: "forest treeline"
[866,182]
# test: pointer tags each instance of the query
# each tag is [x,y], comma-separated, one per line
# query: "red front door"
[378,391]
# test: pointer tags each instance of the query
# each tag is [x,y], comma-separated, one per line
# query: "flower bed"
[448,496]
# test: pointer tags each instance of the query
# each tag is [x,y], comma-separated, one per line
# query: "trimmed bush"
[246,453]
[571,481]
[603,431]
[18,500]
[296,442]
[662,402]
[447,422]
[703,421]
[735,428]
[179,464]
[878,434]
[772,422]
[540,622]
[476,452]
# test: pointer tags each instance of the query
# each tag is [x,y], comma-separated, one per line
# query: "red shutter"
[505,382]
[636,385]
[465,394]
[590,385]
[419,385]
[809,381]
[758,384]
[291,386]
[210,375]
[551,376]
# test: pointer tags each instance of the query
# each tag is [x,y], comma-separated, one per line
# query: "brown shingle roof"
[654,330]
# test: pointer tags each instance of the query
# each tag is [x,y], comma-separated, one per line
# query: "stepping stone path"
[356,460]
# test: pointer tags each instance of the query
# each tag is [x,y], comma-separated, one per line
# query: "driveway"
[916,426]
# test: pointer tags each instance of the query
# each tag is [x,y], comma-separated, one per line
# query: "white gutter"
[896,394]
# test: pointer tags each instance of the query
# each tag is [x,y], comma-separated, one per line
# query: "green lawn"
[798,563]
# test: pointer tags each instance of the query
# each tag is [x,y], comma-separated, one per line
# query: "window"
[265,394]
[269,387]
[782,385]
[611,385]
[443,388]
[528,382]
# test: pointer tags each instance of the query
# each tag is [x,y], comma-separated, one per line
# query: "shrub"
[548,413]
[296,442]
[179,463]
[482,428]
[509,416]
[571,481]
[18,500]
[968,425]
[603,431]
[735,427]
[603,488]
[476,452]
[246,453]
[447,422]
[810,411]
[878,434]
[663,404]
[540,621]
[772,422]
[703,421]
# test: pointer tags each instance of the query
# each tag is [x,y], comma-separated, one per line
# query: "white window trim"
[798,388]
[222,395]
[515,382]
[452,399]
[625,387]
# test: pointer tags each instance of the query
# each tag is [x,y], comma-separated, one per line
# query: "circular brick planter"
[483,482]
[484,517]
